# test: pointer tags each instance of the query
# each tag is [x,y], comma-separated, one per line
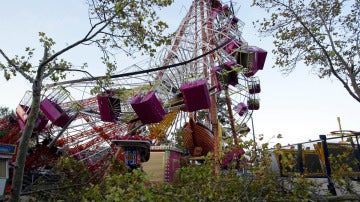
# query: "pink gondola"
[241,108]
[22,113]
[196,95]
[253,104]
[226,74]
[51,108]
[252,59]
[232,72]
[254,86]
[148,108]
[54,112]
[232,47]
[109,107]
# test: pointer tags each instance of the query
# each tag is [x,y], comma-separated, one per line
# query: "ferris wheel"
[202,87]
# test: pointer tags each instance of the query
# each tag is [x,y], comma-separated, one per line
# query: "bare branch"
[90,35]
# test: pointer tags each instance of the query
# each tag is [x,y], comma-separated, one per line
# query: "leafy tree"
[323,34]
[5,111]
[127,25]
[69,179]
[198,183]
[193,182]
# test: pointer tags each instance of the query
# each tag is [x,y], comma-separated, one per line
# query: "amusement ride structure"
[196,93]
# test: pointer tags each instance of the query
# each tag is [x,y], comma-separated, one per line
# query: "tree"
[127,25]
[70,180]
[256,180]
[4,111]
[323,34]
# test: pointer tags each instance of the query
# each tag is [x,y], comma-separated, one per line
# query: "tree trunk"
[24,143]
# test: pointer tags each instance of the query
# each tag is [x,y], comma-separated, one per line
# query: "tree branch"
[51,71]
[31,80]
[90,35]
[332,69]
[41,69]
[344,64]
[116,35]
[341,58]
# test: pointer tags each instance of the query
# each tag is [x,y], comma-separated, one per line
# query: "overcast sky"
[299,106]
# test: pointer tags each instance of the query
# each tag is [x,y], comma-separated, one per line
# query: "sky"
[300,106]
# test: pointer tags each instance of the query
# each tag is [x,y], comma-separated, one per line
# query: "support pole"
[331,186]
[300,159]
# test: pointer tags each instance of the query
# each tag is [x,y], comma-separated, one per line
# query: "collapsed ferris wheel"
[202,87]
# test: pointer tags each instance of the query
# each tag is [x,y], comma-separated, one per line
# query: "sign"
[8,149]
